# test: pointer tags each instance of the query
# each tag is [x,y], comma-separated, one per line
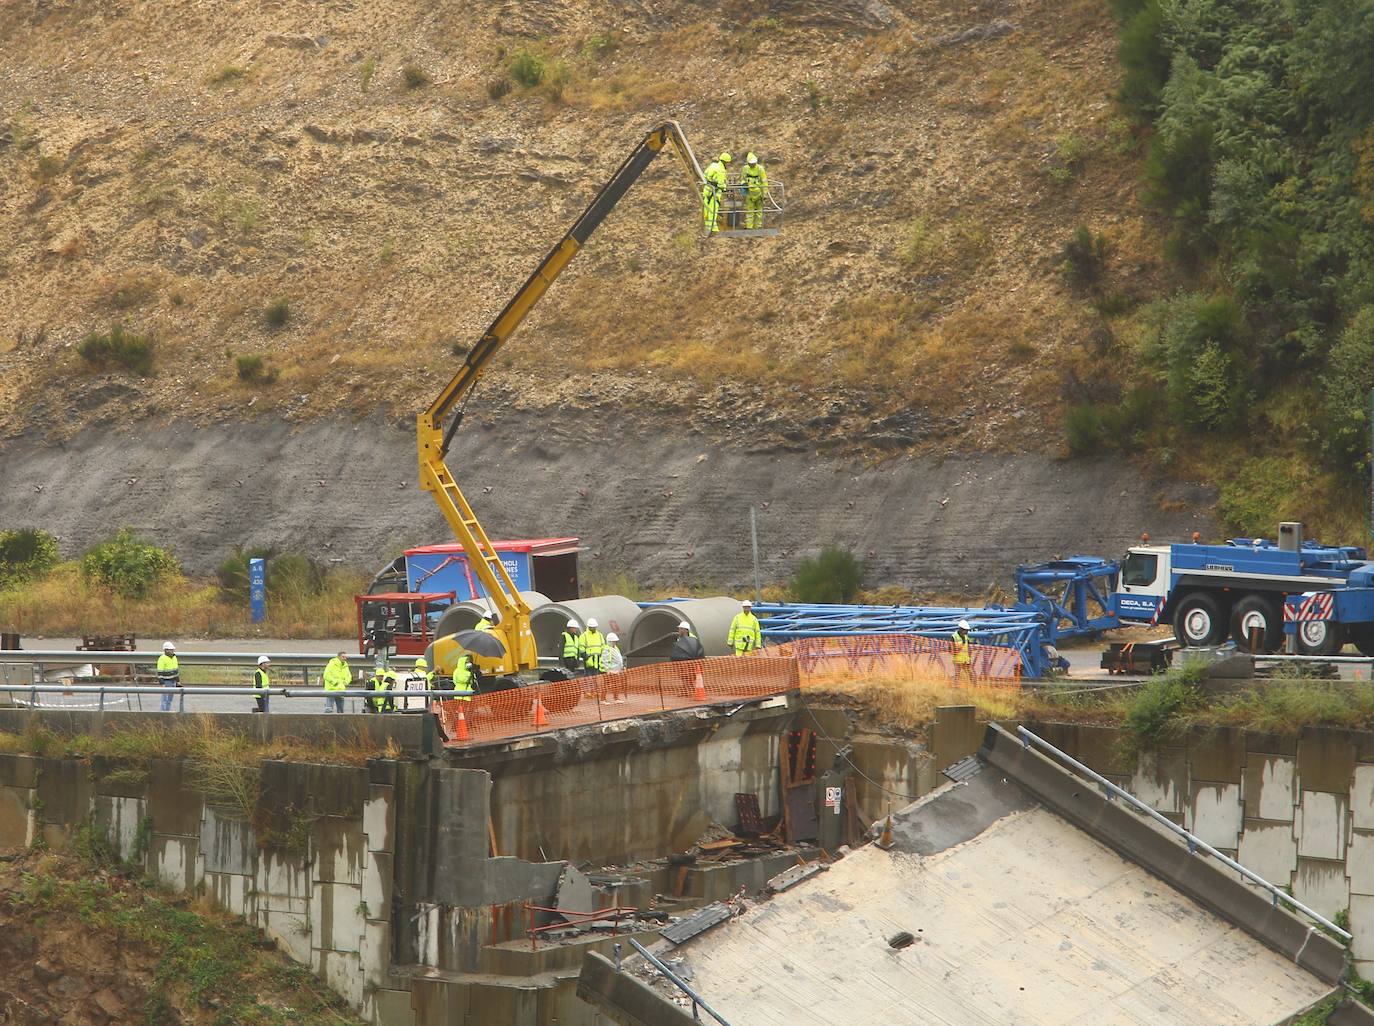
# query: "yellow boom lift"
[434,437]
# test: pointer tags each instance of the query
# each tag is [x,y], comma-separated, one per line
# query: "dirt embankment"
[83,944]
[663,505]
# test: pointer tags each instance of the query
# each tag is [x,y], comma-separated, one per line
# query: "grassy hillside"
[304,209]
[1083,227]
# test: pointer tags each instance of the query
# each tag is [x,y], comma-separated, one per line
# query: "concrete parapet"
[1162,854]
[1351,1013]
[624,998]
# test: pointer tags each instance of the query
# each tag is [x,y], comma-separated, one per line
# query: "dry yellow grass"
[65,604]
[216,752]
[910,704]
[407,216]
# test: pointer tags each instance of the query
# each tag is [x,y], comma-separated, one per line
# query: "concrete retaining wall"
[315,876]
[382,877]
[351,870]
[1150,846]
[1298,810]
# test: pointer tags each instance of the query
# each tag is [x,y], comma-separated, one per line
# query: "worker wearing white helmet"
[262,680]
[688,646]
[593,645]
[754,184]
[613,661]
[745,633]
[963,657]
[169,675]
[571,652]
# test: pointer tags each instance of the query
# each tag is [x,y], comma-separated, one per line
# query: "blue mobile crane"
[1250,590]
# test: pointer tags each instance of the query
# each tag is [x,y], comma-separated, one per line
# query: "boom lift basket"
[735,216]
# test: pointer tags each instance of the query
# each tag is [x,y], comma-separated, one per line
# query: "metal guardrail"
[33,664]
[20,657]
[240,691]
[673,978]
[1279,658]
[1195,843]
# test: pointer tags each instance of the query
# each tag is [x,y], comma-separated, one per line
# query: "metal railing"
[240,691]
[673,978]
[38,666]
[1195,843]
[1280,658]
[613,915]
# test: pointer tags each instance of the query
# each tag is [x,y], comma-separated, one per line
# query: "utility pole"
[754,539]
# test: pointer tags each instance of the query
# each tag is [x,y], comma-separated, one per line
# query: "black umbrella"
[480,643]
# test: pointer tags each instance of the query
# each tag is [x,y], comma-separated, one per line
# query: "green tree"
[1200,345]
[1345,392]
[831,576]
[26,553]
[127,564]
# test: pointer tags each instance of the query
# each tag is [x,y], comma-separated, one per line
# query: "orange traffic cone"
[460,728]
[698,689]
[1359,674]
[885,840]
[541,715]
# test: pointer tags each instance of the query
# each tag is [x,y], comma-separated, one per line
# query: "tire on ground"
[1198,621]
[1320,637]
[1257,612]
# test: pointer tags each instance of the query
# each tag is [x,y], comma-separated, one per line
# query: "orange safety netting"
[553,705]
[824,660]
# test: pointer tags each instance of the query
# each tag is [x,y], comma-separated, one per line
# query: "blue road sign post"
[257,589]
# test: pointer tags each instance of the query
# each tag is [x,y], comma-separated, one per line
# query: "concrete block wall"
[325,901]
[626,795]
[325,895]
[1298,810]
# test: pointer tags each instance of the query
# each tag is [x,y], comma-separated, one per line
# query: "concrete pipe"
[612,613]
[463,616]
[655,629]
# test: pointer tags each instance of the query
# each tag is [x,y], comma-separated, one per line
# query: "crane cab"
[1144,583]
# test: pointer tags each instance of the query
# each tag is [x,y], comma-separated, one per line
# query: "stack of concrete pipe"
[655,628]
[646,635]
[611,612]
[463,616]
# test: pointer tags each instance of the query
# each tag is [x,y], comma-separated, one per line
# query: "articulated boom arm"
[434,440]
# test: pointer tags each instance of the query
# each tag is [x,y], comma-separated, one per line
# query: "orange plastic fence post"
[698,689]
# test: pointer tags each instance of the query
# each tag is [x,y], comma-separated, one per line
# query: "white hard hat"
[747,604]
[167,646]
[683,625]
[613,636]
[263,660]
[573,623]
[963,625]
[591,622]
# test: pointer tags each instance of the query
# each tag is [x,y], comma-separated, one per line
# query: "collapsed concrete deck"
[1030,901]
